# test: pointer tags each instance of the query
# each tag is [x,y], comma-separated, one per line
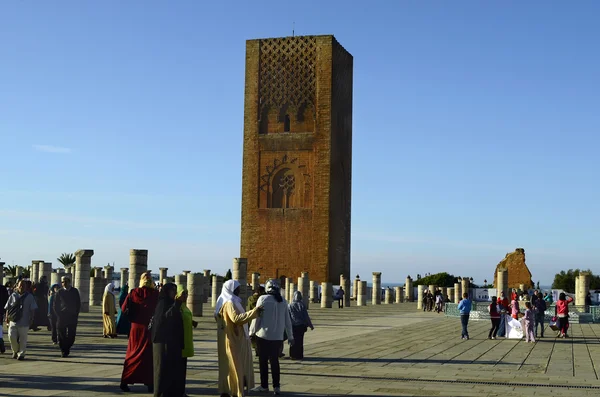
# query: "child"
[529,331]
[464,307]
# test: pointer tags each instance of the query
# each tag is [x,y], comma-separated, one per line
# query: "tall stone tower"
[297,158]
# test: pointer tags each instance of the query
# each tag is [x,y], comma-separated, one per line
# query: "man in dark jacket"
[66,306]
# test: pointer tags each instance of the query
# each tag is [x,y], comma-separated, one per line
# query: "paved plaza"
[389,350]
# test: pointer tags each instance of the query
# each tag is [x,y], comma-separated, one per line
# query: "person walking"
[339,296]
[539,310]
[41,292]
[139,307]
[123,323]
[188,337]
[51,315]
[300,324]
[168,343]
[529,321]
[562,312]
[237,338]
[66,307]
[464,307]
[109,309]
[269,329]
[20,311]
[495,317]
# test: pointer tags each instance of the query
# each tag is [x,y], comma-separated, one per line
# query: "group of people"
[160,330]
[28,306]
[266,324]
[434,301]
[533,315]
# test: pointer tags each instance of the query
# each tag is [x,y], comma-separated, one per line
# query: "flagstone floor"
[388,350]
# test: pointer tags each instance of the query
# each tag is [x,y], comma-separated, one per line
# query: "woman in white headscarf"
[235,350]
[109,310]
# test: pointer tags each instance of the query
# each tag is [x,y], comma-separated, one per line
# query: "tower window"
[286,123]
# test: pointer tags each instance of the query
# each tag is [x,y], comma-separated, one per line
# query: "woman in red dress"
[141,303]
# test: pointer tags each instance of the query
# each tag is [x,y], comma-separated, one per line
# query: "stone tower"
[297,158]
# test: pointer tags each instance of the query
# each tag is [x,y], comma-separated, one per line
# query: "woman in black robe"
[41,293]
[167,338]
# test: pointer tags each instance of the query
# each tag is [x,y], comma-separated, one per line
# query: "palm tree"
[66,259]
[11,270]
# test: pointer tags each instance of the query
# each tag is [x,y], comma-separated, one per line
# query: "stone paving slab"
[387,350]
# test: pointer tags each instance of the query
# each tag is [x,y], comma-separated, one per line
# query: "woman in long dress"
[168,343]
[40,293]
[138,360]
[188,337]
[237,340]
[108,312]
[123,324]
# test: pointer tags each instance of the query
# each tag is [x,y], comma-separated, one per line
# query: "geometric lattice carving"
[288,183]
[287,73]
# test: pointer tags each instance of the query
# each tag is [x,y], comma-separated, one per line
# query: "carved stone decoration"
[286,183]
[287,74]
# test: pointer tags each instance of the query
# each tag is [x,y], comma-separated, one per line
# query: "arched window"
[283,188]
[286,123]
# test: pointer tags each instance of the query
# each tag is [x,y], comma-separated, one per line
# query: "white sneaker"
[260,389]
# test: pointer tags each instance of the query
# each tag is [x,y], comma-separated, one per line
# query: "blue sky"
[475,130]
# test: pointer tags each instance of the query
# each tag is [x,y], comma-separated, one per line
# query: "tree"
[228,276]
[66,259]
[439,280]
[566,280]
[11,270]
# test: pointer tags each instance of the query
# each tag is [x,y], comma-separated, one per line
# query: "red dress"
[138,361]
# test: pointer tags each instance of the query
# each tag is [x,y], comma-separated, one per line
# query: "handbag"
[553,324]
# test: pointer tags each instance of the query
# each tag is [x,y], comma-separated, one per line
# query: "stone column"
[361,298]
[409,290]
[314,291]
[420,290]
[304,288]
[83,264]
[584,288]
[443,291]
[522,287]
[54,278]
[326,295]
[432,289]
[287,288]
[138,265]
[578,300]
[388,296]
[97,285]
[376,293]
[44,269]
[186,273]
[255,281]
[34,274]
[195,287]
[464,286]
[346,286]
[124,277]
[355,287]
[217,286]
[181,279]
[206,291]
[240,273]
[109,273]
[19,270]
[450,293]
[162,274]
[293,289]
[399,295]
[457,294]
[502,282]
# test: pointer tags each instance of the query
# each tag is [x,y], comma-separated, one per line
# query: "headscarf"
[52,292]
[180,290]
[227,295]
[272,288]
[123,294]
[109,288]
[146,280]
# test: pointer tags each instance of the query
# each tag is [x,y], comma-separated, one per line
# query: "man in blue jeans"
[464,306]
